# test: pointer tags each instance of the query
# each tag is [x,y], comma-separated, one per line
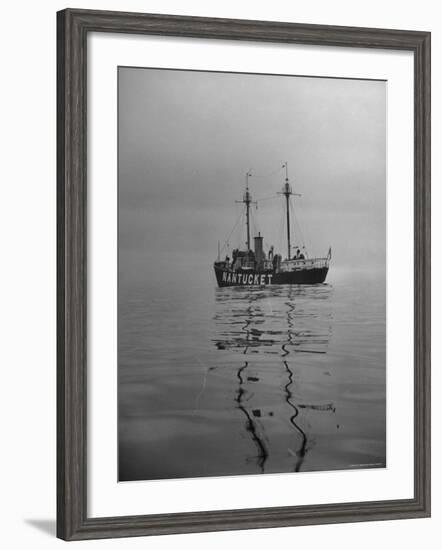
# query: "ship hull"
[311,276]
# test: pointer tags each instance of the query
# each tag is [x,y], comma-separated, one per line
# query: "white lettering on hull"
[257,279]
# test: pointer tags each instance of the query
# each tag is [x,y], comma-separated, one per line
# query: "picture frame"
[73,28]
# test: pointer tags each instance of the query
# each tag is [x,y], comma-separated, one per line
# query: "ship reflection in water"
[251,381]
[274,327]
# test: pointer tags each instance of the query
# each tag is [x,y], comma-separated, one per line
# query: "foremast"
[247,200]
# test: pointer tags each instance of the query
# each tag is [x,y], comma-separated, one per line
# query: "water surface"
[250,380]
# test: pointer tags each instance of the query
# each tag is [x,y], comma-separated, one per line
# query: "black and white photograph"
[219,239]
[251,274]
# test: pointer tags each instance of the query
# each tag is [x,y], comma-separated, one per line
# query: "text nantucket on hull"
[256,268]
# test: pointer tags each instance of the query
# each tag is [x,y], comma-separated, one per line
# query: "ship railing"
[222,264]
[307,262]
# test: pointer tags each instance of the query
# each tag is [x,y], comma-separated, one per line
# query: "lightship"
[254,267]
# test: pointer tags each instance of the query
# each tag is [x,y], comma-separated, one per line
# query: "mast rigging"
[254,267]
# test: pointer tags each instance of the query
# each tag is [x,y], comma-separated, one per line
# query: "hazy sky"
[187,139]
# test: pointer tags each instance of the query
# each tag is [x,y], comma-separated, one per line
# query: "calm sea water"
[249,381]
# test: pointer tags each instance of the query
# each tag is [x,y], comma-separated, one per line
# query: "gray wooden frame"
[73,27]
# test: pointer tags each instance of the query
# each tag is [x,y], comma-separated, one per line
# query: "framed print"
[243,274]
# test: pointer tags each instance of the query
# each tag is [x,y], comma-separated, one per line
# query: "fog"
[187,139]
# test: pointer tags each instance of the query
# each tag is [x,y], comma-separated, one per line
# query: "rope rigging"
[267,198]
[265,176]
[273,173]
[226,242]
[252,221]
[297,226]
[255,224]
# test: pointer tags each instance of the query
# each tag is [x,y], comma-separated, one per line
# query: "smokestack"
[259,253]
